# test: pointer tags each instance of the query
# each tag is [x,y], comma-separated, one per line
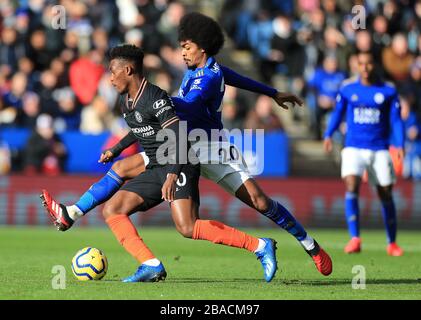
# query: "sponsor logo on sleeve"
[159,103]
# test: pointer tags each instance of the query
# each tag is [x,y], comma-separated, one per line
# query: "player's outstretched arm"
[234,79]
[114,152]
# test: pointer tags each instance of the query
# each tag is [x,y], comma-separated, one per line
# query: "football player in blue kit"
[199,103]
[372,112]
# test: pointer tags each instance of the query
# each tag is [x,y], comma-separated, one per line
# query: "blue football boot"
[267,257]
[147,273]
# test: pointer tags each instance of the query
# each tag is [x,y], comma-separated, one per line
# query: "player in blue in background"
[372,110]
[199,103]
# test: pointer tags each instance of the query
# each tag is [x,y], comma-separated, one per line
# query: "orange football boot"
[353,246]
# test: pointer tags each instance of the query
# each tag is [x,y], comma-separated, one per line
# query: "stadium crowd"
[303,46]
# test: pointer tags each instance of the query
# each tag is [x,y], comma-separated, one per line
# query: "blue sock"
[100,191]
[283,218]
[389,217]
[352,213]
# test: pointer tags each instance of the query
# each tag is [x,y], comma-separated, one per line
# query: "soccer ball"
[89,264]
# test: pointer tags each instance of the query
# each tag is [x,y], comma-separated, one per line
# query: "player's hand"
[327,145]
[168,189]
[401,154]
[280,98]
[106,156]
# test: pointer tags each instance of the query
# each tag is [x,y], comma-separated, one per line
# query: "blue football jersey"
[372,113]
[199,100]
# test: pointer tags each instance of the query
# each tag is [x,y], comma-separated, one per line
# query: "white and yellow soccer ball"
[89,264]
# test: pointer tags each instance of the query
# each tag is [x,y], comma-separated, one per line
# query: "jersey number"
[233,154]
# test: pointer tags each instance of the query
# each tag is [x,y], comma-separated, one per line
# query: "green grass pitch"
[202,270]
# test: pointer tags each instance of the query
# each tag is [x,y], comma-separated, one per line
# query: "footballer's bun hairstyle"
[128,52]
[203,31]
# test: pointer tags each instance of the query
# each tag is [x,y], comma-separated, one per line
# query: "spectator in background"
[54,36]
[286,52]
[100,40]
[106,90]
[334,44]
[412,161]
[44,152]
[5,158]
[46,87]
[30,110]
[353,65]
[96,118]
[68,113]
[363,42]
[78,22]
[230,117]
[397,59]
[333,14]
[38,51]
[85,74]
[392,12]
[323,86]
[233,110]
[411,87]
[163,80]
[263,116]
[7,114]
[169,21]
[172,61]
[13,98]
[10,48]
[101,14]
[381,38]
[4,83]
[260,33]
[26,66]
[60,71]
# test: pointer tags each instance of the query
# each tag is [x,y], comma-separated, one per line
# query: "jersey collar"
[199,71]
[137,96]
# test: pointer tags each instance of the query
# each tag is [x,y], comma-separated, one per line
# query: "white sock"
[308,243]
[74,212]
[260,246]
[152,262]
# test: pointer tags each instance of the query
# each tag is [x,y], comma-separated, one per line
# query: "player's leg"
[352,212]
[185,213]
[141,193]
[250,193]
[352,168]
[98,193]
[381,174]
[186,218]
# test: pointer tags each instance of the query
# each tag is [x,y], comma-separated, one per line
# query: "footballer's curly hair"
[203,31]
[128,52]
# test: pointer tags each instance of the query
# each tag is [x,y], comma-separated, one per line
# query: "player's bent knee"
[111,209]
[186,231]
[118,167]
[351,187]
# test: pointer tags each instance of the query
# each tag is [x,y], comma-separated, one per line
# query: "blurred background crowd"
[55,80]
